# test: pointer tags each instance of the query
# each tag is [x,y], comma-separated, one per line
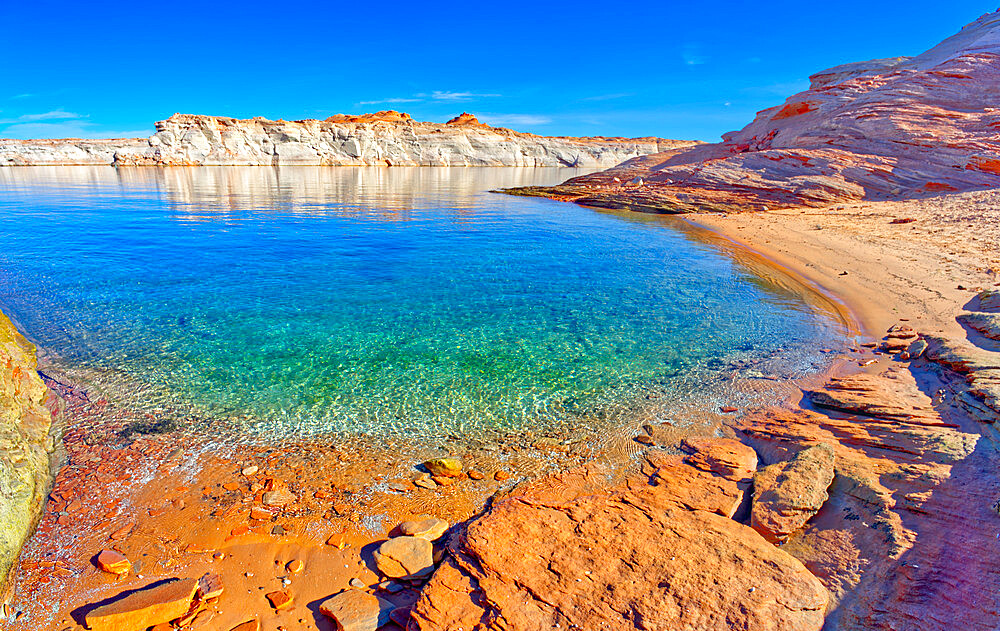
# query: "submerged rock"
[113,562]
[444,467]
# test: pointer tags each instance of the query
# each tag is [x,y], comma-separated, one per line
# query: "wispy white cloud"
[43,116]
[693,56]
[608,97]
[390,100]
[26,95]
[437,95]
[515,119]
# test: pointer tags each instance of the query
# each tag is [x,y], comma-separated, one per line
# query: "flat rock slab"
[725,456]
[145,608]
[627,557]
[787,494]
[986,323]
[354,610]
[430,528]
[405,557]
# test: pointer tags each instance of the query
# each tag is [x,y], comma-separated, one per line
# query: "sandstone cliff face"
[380,139]
[881,129]
[388,138]
[66,151]
[27,409]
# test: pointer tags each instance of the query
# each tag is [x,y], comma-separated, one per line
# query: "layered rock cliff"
[883,129]
[27,442]
[66,151]
[384,138]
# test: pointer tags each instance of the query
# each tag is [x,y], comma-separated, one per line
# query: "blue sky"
[671,69]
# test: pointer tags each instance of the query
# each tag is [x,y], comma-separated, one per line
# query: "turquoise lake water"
[407,301]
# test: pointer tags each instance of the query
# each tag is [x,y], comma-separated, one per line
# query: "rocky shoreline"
[382,139]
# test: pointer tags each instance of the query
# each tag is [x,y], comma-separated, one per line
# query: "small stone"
[475,474]
[278,497]
[405,557]
[295,566]
[443,480]
[251,470]
[210,586]
[249,625]
[357,582]
[337,541]
[425,527]
[447,467]
[728,409]
[279,600]
[123,532]
[645,439]
[353,610]
[424,481]
[113,562]
[260,514]
[501,475]
[391,586]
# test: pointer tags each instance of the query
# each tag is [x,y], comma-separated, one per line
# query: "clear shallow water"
[377,300]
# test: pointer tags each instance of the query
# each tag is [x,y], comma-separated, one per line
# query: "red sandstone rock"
[145,607]
[354,610]
[900,541]
[787,494]
[629,556]
[405,557]
[725,456]
[210,586]
[114,562]
[279,599]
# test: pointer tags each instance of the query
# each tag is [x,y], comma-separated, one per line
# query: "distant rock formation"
[383,138]
[882,129]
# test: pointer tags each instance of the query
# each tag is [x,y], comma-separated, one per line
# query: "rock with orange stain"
[354,610]
[295,566]
[425,527]
[787,494]
[113,562]
[405,557]
[279,599]
[144,608]
[648,552]
[725,456]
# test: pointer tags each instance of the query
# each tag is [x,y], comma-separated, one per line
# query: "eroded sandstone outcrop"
[379,139]
[652,553]
[27,411]
[907,535]
[884,129]
[787,494]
